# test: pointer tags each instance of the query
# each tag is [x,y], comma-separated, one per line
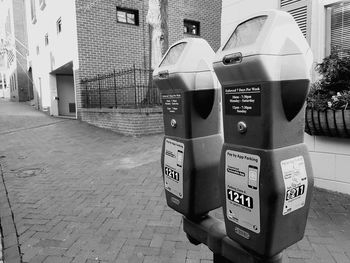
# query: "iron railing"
[127,88]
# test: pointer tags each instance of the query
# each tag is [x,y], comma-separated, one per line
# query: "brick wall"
[105,45]
[208,13]
[132,122]
[78,91]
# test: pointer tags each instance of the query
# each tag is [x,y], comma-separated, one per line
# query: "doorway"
[65,90]
[66,97]
[30,84]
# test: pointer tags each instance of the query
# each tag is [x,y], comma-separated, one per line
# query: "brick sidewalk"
[83,194]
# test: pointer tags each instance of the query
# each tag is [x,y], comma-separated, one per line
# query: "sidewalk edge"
[11,251]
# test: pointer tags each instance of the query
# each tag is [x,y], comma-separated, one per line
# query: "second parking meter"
[193,137]
[266,175]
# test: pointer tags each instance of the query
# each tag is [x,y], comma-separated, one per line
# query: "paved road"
[82,194]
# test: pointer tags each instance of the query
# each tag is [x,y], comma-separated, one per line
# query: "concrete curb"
[10,249]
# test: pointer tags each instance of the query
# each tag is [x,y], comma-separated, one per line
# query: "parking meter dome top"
[185,56]
[266,33]
[270,33]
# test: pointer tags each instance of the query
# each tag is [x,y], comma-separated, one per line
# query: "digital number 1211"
[239,198]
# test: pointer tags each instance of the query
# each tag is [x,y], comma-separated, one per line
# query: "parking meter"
[193,137]
[265,171]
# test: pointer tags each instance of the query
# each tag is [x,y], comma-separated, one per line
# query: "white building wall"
[62,47]
[6,8]
[4,93]
[330,156]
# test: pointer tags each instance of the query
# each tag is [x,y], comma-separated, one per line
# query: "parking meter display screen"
[246,33]
[173,55]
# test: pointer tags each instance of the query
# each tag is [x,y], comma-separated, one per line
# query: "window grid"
[338,27]
[127,16]
[191,27]
[301,12]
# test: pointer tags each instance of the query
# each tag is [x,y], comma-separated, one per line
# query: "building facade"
[13,36]
[325,24]
[75,40]
[53,55]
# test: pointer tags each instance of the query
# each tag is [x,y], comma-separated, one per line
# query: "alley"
[78,193]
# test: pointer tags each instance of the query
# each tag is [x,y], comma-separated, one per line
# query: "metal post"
[150,83]
[86,95]
[115,89]
[99,89]
[135,84]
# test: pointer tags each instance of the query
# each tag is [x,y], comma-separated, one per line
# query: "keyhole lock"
[173,123]
[242,127]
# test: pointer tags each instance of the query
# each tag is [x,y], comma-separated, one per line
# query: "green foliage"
[332,91]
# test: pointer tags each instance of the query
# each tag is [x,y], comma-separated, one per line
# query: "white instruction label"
[242,174]
[173,167]
[295,182]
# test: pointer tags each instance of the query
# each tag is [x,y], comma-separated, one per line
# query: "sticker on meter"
[173,167]
[295,182]
[242,189]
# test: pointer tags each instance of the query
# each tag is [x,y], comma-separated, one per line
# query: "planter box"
[332,123]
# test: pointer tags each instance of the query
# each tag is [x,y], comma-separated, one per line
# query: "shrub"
[332,91]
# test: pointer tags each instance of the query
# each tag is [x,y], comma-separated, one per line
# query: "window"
[46,39]
[33,11]
[338,28]
[191,27]
[42,4]
[37,50]
[128,16]
[300,10]
[59,25]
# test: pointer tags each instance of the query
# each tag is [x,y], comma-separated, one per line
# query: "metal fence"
[127,88]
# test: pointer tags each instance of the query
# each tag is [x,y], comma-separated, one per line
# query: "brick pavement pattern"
[83,194]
